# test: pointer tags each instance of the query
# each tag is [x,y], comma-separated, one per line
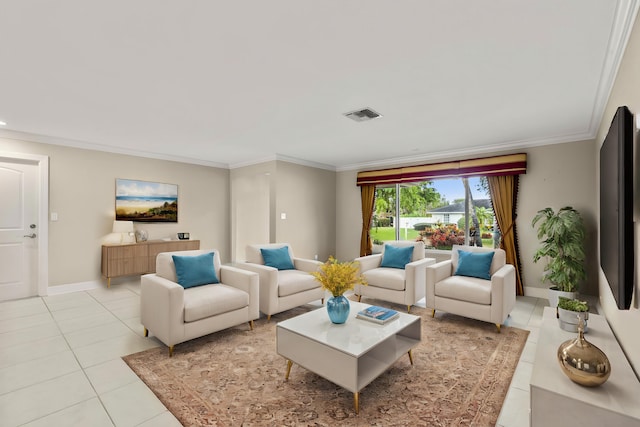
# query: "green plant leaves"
[562,237]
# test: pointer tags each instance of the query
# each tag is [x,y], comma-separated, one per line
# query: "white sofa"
[486,300]
[402,286]
[282,290]
[175,314]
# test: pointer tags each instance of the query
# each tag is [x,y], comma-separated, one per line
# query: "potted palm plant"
[561,236]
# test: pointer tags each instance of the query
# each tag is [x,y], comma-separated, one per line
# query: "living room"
[314,207]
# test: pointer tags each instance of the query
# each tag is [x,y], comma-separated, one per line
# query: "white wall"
[82,192]
[626,91]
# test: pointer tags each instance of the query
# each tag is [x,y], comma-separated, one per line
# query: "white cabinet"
[557,401]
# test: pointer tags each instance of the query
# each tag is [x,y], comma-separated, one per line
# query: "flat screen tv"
[616,208]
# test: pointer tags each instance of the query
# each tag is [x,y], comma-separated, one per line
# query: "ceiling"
[231,83]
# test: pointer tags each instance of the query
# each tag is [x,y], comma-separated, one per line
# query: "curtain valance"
[511,164]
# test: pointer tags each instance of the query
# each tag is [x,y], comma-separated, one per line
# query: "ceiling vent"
[362,115]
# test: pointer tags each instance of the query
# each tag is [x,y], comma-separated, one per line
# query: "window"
[440,212]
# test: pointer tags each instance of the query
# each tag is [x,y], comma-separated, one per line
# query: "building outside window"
[440,212]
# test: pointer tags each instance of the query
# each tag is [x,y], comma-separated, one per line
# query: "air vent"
[362,115]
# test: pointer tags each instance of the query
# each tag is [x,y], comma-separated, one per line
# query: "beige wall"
[349,216]
[557,175]
[306,195]
[626,91]
[252,209]
[82,192]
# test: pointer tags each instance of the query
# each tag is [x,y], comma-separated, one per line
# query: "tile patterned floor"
[60,361]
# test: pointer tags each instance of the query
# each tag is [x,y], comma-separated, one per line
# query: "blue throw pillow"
[396,257]
[474,264]
[277,258]
[195,270]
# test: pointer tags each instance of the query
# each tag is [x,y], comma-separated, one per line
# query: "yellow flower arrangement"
[339,277]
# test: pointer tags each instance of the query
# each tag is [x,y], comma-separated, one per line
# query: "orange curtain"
[368,193]
[504,195]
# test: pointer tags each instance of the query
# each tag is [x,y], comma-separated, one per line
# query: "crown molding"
[625,16]
[466,152]
[43,139]
[283,158]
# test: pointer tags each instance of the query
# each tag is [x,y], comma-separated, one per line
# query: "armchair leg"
[408,309]
[146,332]
[433,313]
[321,300]
[498,326]
[268,317]
[359,298]
[170,351]
[251,324]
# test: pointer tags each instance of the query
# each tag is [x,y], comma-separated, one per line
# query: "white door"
[19,233]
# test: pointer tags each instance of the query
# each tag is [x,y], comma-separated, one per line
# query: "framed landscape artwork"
[144,201]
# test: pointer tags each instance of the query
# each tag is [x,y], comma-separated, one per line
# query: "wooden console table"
[557,401]
[138,258]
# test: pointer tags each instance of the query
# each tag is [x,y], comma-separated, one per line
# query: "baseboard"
[73,287]
[536,292]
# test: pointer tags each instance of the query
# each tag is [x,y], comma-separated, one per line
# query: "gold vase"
[583,362]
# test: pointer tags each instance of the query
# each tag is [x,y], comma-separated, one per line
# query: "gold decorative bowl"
[583,362]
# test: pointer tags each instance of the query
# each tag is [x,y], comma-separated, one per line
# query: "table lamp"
[122,228]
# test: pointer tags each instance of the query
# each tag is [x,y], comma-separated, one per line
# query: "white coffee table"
[350,355]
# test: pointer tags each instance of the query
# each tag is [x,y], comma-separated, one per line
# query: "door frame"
[42,162]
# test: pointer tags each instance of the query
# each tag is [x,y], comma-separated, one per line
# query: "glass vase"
[338,309]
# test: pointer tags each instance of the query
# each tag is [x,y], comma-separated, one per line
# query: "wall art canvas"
[144,201]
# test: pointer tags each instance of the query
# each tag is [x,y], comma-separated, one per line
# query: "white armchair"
[399,285]
[175,314]
[487,300]
[283,289]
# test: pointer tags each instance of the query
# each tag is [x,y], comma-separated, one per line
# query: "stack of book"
[377,314]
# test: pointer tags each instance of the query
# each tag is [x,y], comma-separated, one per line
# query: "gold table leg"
[356,402]
[410,357]
[289,364]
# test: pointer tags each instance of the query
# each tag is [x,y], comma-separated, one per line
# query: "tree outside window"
[435,212]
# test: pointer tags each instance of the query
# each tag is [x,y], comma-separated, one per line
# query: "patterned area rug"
[461,373]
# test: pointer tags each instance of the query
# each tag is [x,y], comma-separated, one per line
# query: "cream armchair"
[283,289]
[488,300]
[175,314]
[401,284]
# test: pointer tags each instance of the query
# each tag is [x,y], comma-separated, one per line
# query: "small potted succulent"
[570,311]
[377,246]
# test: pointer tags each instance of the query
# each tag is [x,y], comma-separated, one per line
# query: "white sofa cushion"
[388,278]
[210,300]
[465,288]
[293,281]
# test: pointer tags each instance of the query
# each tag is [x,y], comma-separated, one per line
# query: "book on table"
[377,314]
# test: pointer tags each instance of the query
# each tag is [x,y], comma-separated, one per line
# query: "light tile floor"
[60,361]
